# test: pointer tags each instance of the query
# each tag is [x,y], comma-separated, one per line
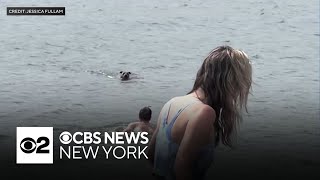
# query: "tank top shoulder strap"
[165,115]
[173,120]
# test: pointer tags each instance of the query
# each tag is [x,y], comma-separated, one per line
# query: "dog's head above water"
[124,75]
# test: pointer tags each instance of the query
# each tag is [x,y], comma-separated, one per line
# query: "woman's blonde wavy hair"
[225,77]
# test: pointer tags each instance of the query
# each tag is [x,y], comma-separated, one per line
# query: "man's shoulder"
[135,123]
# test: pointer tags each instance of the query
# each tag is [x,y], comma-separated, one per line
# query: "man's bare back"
[143,125]
[140,127]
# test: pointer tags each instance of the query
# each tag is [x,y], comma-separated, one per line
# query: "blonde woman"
[189,127]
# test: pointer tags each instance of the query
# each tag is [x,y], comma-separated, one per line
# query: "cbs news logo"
[34,145]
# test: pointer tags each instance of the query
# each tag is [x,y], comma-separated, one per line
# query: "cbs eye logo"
[28,145]
[65,137]
[34,145]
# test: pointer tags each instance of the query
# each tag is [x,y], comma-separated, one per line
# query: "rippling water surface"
[56,70]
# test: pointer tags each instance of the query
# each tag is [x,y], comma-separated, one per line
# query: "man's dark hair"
[145,114]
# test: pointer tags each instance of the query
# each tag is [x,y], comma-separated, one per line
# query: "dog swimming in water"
[124,75]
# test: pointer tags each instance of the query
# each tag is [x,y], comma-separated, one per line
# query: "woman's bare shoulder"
[204,112]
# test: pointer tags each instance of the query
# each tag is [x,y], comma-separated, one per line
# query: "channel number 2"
[29,145]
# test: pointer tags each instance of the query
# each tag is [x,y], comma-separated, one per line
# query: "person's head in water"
[225,79]
[145,114]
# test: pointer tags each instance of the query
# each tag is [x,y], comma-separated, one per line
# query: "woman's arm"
[197,134]
[151,147]
[152,143]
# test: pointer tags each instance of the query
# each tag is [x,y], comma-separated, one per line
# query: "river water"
[62,71]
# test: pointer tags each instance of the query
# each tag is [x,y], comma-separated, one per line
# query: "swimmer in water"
[143,125]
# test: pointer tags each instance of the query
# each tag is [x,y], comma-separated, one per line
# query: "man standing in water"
[143,125]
